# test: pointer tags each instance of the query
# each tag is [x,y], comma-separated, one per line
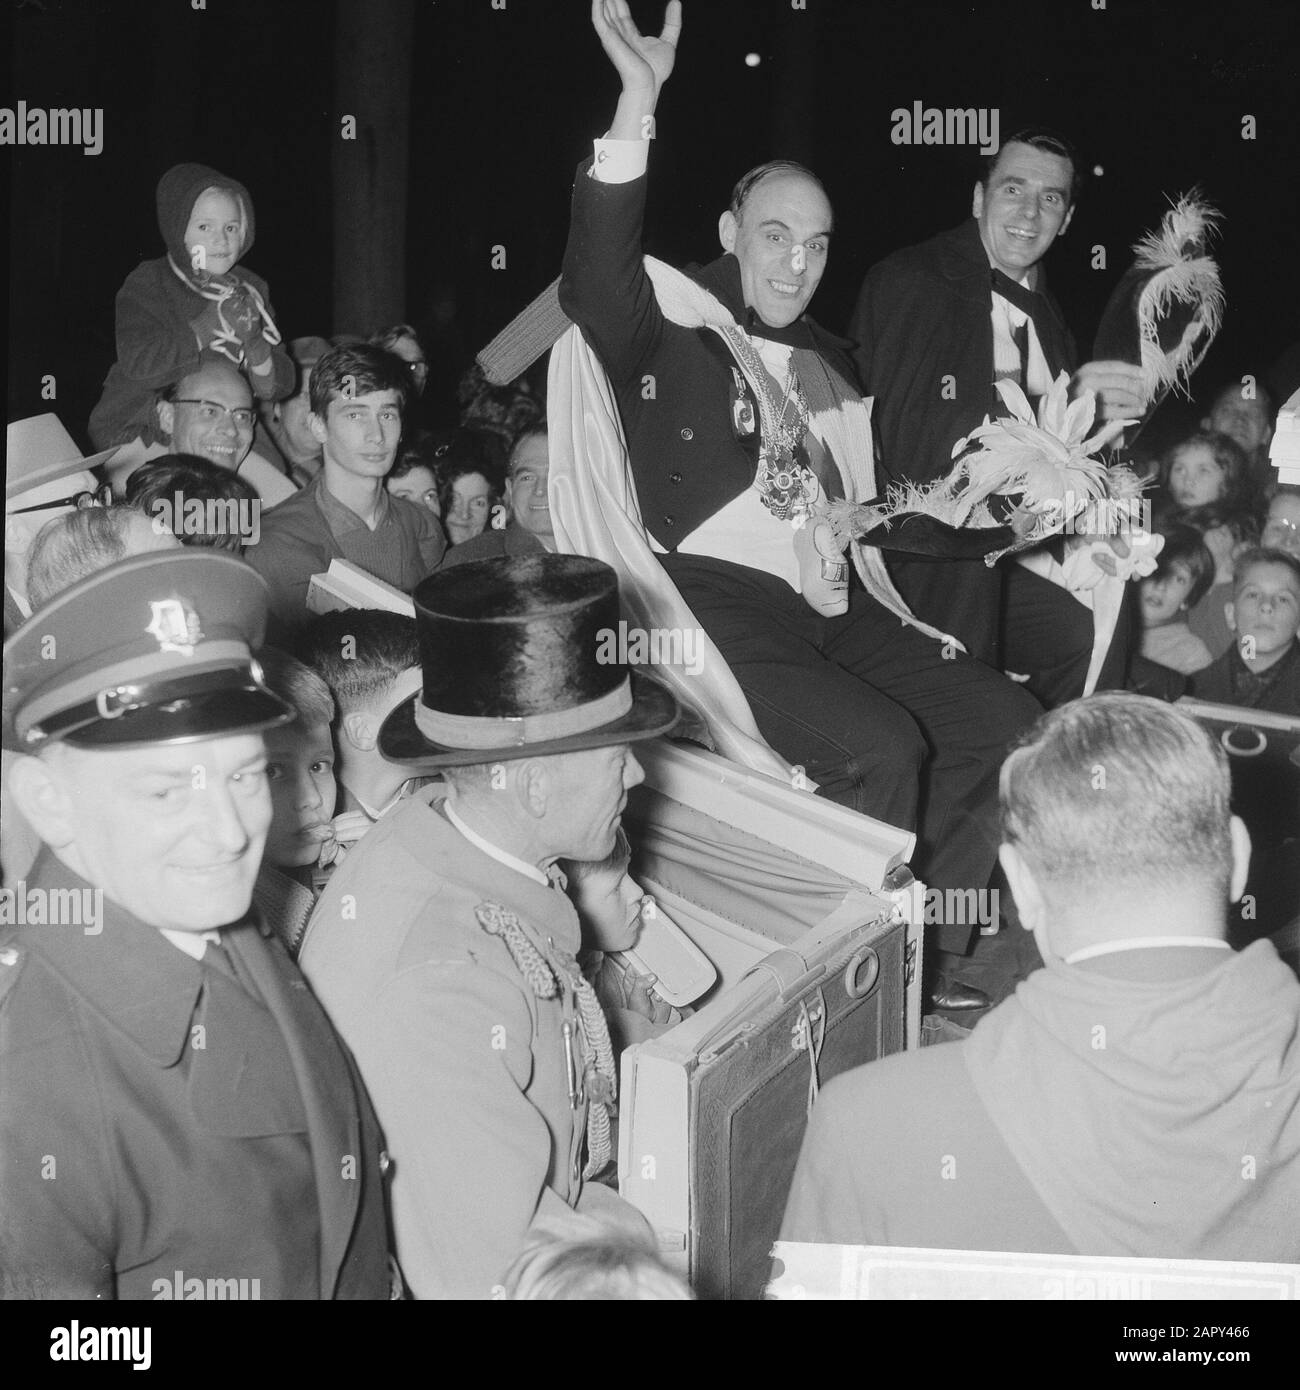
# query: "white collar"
[389,804]
[191,942]
[1144,943]
[502,856]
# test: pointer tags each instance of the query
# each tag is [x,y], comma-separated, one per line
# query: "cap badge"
[175,626]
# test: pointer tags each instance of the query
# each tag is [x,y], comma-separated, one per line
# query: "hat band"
[491,731]
[116,687]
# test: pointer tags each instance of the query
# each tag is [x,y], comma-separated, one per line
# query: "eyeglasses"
[101,497]
[211,411]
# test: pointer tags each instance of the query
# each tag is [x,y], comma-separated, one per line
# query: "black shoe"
[955,996]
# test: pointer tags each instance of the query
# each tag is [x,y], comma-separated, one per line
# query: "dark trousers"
[1014,620]
[872,710]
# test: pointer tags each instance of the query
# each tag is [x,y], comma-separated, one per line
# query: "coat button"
[385,1163]
[688,433]
[668,521]
[674,477]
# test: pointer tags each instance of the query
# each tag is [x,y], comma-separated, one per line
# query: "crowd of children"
[1223,605]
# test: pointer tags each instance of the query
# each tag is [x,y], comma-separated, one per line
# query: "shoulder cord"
[601,1081]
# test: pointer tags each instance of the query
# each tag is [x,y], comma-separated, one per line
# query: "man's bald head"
[209,412]
[778,227]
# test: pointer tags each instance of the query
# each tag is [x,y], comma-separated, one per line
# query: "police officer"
[178,1118]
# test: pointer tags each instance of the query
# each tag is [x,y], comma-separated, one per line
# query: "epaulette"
[12,960]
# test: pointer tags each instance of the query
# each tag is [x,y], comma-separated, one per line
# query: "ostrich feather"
[1184,274]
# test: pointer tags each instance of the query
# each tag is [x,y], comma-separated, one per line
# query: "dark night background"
[504,103]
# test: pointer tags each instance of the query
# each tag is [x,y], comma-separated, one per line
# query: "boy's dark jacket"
[156,309]
[1229,681]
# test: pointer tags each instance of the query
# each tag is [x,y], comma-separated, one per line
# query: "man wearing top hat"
[443,948]
[178,1118]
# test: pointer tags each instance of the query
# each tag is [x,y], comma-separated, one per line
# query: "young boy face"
[1265,611]
[1164,595]
[214,236]
[300,770]
[1195,480]
[360,434]
[530,468]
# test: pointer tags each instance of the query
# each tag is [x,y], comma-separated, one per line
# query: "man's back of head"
[360,653]
[80,543]
[1116,822]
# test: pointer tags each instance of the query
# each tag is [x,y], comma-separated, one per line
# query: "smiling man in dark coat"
[177,1117]
[936,325]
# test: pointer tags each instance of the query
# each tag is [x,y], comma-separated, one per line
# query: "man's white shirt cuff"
[620,161]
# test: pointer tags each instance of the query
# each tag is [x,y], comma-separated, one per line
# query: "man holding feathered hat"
[937,326]
[444,948]
[177,1117]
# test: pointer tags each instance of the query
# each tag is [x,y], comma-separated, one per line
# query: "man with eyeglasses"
[210,414]
[45,476]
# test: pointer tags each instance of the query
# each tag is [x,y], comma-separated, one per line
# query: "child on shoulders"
[196,302]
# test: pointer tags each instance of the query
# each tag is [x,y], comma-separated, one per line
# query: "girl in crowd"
[1206,484]
[471,484]
[1182,578]
[415,474]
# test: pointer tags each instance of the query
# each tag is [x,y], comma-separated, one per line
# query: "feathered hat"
[1166,311]
[1015,482]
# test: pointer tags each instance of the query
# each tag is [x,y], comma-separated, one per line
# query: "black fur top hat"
[510,649]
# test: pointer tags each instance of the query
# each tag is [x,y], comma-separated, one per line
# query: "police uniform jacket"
[165,1129]
[673,384]
[465,1062]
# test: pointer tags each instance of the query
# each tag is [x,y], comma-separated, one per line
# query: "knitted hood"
[1154,1119]
[179,189]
